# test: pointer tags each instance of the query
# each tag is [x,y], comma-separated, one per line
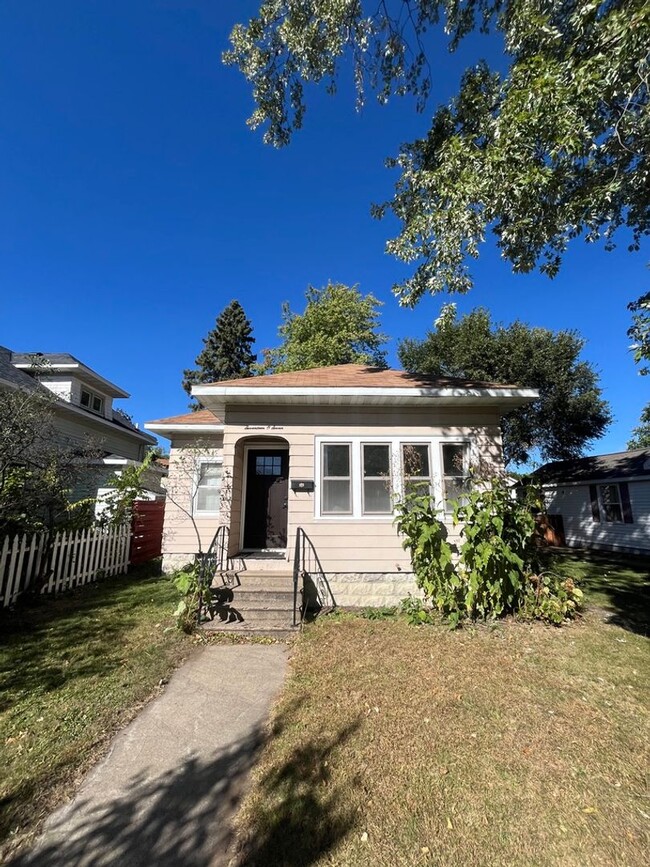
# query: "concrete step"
[262,598]
[261,618]
[278,632]
[256,581]
[261,563]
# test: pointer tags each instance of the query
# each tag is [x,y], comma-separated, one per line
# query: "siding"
[573,503]
[343,544]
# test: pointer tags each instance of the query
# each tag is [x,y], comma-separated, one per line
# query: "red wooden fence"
[146,541]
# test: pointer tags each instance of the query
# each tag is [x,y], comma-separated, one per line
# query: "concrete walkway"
[167,791]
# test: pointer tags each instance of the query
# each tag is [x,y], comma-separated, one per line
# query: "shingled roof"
[198,418]
[353,376]
[619,465]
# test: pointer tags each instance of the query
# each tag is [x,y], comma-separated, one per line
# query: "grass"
[506,745]
[72,671]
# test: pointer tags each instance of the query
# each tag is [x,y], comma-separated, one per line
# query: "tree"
[641,434]
[226,352]
[570,411]
[639,332]
[554,149]
[38,466]
[339,326]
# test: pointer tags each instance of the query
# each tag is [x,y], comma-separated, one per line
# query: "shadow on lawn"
[621,585]
[182,818]
[186,817]
[45,643]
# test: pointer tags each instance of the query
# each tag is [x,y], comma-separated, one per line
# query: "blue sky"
[136,204]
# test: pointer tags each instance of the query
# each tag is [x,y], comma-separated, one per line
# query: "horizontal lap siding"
[573,502]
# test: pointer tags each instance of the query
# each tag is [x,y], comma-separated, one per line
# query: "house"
[603,500]
[83,412]
[308,463]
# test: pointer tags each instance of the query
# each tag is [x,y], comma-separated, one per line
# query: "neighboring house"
[325,450]
[603,500]
[83,413]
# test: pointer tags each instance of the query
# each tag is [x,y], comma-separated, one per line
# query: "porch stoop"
[257,599]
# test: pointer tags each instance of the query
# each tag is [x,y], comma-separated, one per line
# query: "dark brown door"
[267,488]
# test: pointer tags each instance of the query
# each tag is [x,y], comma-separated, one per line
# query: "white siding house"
[603,500]
[321,454]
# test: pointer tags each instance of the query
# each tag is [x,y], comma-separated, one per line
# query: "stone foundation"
[371,589]
[174,562]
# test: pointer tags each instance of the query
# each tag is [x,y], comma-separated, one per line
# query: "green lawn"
[72,671]
[512,744]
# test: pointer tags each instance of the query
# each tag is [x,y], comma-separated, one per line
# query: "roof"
[13,376]
[57,362]
[353,376]
[619,465]
[198,418]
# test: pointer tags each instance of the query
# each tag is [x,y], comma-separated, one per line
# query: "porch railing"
[214,560]
[309,580]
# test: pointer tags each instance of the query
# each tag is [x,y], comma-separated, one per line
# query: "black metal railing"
[214,561]
[315,592]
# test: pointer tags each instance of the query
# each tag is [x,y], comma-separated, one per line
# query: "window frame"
[603,505]
[391,487]
[396,442]
[428,478]
[323,478]
[206,513]
[92,396]
[443,476]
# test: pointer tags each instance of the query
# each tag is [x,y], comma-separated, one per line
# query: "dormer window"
[92,401]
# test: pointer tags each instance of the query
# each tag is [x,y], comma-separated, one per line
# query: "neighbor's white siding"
[573,503]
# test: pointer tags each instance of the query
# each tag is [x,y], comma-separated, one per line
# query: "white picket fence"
[74,559]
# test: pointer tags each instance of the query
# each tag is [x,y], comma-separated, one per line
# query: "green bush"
[496,570]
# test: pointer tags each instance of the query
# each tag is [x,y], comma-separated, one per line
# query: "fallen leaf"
[589,810]
[450,824]
[364,837]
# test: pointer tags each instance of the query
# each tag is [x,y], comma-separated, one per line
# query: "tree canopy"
[641,434]
[553,149]
[338,326]
[570,411]
[39,467]
[226,352]
[639,331]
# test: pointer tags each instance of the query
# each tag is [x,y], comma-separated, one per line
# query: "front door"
[267,488]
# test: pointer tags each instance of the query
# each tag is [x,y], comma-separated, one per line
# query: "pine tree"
[226,352]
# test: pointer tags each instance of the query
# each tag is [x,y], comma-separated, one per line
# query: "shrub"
[496,570]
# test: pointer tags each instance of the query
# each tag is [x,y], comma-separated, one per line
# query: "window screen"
[336,489]
[376,479]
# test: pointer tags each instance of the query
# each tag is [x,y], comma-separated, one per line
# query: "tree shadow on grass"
[618,583]
[299,814]
[179,818]
[45,644]
[185,818]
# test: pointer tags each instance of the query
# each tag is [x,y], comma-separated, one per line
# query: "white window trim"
[92,396]
[396,443]
[349,478]
[466,466]
[391,477]
[205,513]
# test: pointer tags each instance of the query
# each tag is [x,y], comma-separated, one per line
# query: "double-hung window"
[416,469]
[208,489]
[610,503]
[336,489]
[377,479]
[454,474]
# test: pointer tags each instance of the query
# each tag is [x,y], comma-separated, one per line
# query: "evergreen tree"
[226,352]
[570,410]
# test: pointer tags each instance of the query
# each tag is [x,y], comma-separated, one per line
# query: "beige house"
[301,469]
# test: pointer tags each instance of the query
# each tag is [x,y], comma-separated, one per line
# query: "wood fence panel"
[70,559]
[147,530]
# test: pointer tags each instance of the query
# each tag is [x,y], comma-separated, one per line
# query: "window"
[268,465]
[610,503]
[416,468]
[208,489]
[377,484]
[454,474]
[92,401]
[336,488]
